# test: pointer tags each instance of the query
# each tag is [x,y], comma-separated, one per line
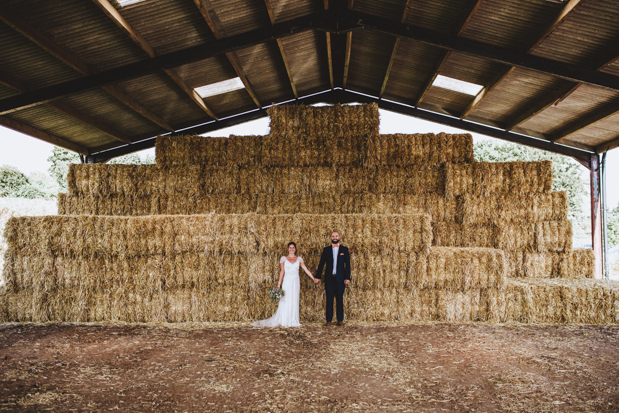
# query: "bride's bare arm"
[281,274]
[307,271]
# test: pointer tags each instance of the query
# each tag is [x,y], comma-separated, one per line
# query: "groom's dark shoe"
[328,324]
[340,323]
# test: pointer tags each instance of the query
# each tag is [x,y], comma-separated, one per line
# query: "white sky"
[29,154]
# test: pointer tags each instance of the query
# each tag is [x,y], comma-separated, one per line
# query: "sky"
[30,154]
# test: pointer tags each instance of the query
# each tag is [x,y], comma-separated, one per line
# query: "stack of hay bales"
[433,234]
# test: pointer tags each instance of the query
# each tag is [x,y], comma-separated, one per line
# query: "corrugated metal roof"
[588,37]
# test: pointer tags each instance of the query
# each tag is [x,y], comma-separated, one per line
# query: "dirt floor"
[358,367]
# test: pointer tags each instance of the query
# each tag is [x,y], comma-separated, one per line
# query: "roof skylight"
[457,85]
[125,3]
[218,88]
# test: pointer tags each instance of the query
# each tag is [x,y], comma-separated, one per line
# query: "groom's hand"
[316,280]
[346,282]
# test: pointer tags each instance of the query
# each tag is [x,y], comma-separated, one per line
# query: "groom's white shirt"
[335,251]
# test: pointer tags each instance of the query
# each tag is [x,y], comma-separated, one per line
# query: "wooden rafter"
[280,45]
[553,98]
[326,21]
[598,115]
[209,15]
[21,87]
[394,51]
[347,58]
[48,45]
[388,72]
[330,58]
[444,54]
[124,25]
[498,78]
[567,10]
[39,134]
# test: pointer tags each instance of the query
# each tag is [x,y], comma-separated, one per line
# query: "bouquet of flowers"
[276,293]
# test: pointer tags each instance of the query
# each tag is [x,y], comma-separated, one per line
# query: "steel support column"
[596,214]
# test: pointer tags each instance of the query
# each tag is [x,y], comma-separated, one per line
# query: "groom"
[337,262]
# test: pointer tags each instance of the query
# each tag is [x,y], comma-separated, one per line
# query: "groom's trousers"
[334,289]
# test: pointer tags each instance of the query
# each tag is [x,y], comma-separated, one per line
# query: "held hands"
[346,282]
[316,280]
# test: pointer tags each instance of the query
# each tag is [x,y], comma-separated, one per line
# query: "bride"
[287,314]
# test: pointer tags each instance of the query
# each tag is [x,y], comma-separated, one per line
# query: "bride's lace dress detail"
[287,314]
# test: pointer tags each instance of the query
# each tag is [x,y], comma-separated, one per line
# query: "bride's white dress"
[287,314]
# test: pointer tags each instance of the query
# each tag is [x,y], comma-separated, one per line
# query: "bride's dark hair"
[295,246]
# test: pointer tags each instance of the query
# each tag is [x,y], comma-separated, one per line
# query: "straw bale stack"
[196,150]
[192,180]
[419,149]
[488,178]
[197,237]
[462,269]
[530,207]
[558,300]
[336,120]
[578,263]
[555,236]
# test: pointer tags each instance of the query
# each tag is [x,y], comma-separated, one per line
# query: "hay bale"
[526,208]
[198,150]
[406,232]
[553,236]
[487,178]
[461,306]
[451,234]
[559,301]
[463,269]
[419,149]
[540,264]
[579,263]
[418,305]
[337,120]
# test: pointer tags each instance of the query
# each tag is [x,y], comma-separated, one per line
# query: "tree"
[612,226]
[12,181]
[132,159]
[60,160]
[567,173]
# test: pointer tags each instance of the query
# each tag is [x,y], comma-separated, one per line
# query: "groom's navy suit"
[334,279]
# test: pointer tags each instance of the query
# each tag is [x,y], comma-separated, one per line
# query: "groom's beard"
[335,242]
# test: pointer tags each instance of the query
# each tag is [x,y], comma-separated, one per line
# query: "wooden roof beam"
[556,96]
[280,45]
[21,87]
[330,58]
[44,136]
[394,51]
[168,61]
[595,116]
[487,51]
[319,21]
[124,25]
[444,54]
[347,58]
[208,13]
[567,10]
[48,45]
